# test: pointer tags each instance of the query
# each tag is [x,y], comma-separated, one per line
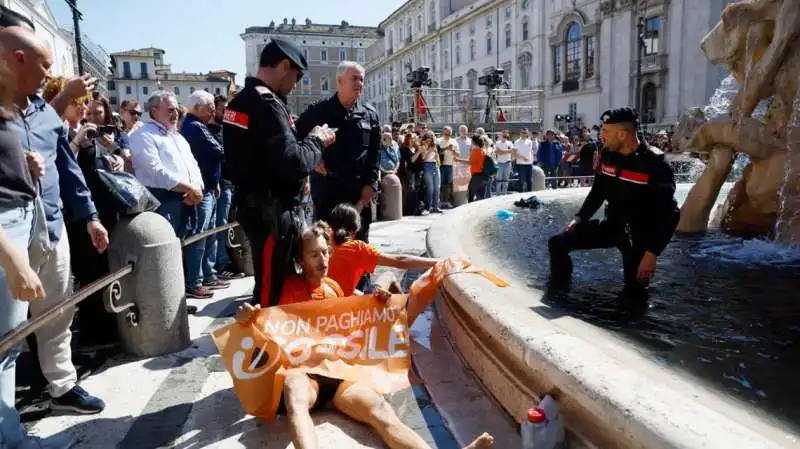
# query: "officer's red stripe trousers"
[266,270]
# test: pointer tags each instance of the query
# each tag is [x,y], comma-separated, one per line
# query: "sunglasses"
[134,112]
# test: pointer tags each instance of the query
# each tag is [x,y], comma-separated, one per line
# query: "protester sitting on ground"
[352,258]
[304,392]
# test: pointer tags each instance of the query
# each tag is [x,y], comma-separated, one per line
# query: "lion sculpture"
[752,38]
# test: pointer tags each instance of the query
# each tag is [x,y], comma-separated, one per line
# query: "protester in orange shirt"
[352,258]
[304,392]
[478,188]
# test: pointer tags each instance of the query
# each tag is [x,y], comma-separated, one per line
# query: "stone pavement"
[184,400]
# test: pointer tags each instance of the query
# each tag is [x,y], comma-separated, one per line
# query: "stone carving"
[756,42]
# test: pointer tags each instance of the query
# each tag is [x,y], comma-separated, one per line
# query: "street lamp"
[640,46]
[76,18]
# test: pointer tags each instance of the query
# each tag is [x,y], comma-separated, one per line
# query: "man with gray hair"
[163,161]
[201,278]
[350,168]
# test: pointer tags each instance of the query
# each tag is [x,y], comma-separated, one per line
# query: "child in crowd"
[351,258]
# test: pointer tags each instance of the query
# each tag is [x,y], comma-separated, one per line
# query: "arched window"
[472,49]
[649,103]
[508,35]
[525,63]
[489,40]
[573,51]
[432,8]
[324,84]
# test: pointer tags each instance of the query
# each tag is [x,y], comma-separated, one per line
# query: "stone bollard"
[391,198]
[538,178]
[150,302]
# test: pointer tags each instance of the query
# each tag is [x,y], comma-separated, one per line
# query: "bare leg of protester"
[299,394]
[367,406]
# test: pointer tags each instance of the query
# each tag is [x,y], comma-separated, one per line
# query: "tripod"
[492,102]
[418,95]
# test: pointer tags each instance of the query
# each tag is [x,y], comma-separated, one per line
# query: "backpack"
[489,166]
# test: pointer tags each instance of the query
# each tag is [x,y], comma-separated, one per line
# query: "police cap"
[621,115]
[278,49]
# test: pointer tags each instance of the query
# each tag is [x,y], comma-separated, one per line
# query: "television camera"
[493,80]
[419,77]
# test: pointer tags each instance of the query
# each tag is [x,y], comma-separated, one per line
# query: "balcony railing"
[651,63]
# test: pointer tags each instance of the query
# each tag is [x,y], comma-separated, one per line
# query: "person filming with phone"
[639,186]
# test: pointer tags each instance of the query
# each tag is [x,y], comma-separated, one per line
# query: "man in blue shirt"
[549,155]
[201,278]
[53,165]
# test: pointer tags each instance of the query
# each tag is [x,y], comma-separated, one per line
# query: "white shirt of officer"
[161,157]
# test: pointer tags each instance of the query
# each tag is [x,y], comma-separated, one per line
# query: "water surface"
[724,310]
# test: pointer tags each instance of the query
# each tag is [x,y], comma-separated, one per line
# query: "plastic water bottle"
[544,427]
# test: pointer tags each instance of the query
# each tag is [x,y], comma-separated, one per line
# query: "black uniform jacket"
[352,161]
[640,191]
[263,156]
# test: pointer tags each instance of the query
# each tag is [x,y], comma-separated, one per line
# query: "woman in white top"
[430,171]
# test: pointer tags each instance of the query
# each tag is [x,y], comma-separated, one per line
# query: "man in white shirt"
[523,152]
[464,142]
[163,161]
[450,150]
[503,149]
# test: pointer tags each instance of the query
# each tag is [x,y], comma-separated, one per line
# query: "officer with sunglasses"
[269,166]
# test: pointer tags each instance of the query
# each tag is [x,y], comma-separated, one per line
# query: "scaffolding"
[510,108]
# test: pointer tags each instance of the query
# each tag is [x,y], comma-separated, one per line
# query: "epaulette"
[265,93]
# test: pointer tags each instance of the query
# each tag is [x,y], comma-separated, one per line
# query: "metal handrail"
[21,332]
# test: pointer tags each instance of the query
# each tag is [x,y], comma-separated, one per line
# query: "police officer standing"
[641,216]
[349,172]
[268,166]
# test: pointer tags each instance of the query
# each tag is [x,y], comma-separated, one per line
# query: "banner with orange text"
[358,339]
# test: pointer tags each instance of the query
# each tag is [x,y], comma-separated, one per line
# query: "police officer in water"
[641,215]
[269,165]
[349,171]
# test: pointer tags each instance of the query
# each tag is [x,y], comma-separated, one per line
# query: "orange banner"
[359,339]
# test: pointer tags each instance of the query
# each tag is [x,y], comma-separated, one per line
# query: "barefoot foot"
[484,441]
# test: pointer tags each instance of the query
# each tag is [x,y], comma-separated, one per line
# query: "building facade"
[95,60]
[136,74]
[60,43]
[324,47]
[581,54]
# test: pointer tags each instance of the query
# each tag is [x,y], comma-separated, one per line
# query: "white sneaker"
[59,441]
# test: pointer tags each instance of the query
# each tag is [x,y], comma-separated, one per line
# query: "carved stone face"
[724,44]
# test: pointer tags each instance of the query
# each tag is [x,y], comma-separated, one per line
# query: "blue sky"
[203,35]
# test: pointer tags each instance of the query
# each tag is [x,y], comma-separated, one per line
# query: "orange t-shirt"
[350,261]
[476,161]
[296,289]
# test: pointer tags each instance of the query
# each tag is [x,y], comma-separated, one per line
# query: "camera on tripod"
[419,77]
[493,80]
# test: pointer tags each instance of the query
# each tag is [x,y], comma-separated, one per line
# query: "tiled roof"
[342,29]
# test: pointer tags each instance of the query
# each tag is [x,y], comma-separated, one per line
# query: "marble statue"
[757,41]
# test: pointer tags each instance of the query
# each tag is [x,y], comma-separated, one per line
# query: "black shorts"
[327,390]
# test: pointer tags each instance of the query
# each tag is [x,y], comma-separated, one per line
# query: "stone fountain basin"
[611,395]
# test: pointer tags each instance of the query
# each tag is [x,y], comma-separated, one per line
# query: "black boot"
[560,274]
